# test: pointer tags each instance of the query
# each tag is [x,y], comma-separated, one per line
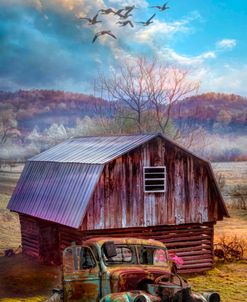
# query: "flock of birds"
[123,14]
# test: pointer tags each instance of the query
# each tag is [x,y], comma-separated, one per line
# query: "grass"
[10,236]
[229,280]
[236,225]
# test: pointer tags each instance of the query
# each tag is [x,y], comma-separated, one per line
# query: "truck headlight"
[140,298]
[212,297]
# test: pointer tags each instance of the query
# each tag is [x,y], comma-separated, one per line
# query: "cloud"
[226,43]
[228,79]
[137,3]
[167,30]
[52,52]
[44,44]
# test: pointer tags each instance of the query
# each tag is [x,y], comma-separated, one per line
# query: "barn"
[133,185]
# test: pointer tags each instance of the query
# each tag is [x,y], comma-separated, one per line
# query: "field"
[24,279]
[234,173]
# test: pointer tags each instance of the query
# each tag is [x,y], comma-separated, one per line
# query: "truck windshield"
[138,254]
[125,254]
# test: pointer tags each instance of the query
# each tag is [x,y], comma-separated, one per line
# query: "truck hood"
[126,278]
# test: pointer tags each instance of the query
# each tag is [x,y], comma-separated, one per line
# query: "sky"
[45,45]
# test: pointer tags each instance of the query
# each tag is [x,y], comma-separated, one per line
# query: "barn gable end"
[119,200]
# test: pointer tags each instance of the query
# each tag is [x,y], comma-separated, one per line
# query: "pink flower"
[178,260]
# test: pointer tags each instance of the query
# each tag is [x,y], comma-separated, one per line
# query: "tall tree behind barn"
[141,185]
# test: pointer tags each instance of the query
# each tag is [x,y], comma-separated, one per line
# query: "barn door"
[80,275]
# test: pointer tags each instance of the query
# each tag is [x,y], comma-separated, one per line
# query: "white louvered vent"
[154,179]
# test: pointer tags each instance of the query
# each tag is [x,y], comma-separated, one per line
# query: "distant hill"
[32,121]
[42,108]
[216,112]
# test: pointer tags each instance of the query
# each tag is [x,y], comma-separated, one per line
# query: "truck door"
[81,275]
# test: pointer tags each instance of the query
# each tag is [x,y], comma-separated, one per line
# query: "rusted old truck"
[124,269]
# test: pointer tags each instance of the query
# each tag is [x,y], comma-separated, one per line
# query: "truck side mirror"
[109,249]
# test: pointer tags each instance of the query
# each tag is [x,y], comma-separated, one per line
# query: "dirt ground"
[24,279]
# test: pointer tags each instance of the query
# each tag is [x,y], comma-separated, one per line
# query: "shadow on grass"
[23,278]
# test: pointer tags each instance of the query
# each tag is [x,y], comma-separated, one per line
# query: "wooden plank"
[197,261]
[192,243]
[181,239]
[197,265]
[123,194]
[193,252]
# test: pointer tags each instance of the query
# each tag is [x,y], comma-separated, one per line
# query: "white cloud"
[226,43]
[227,79]
[183,60]
[147,34]
[166,29]
[137,3]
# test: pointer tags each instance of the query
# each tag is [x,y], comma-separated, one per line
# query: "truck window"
[125,254]
[77,258]
[152,256]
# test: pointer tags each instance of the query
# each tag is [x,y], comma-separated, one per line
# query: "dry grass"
[10,236]
[236,225]
[229,280]
[234,174]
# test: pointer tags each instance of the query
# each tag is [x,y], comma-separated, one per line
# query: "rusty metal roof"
[57,193]
[92,149]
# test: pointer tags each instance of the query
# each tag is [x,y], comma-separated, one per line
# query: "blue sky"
[44,44]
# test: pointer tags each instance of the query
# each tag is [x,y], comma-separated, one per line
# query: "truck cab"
[124,269]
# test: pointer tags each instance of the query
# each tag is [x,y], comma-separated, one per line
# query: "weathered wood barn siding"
[40,239]
[119,200]
[192,242]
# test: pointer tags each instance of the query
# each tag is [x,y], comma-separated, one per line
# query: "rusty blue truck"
[124,270]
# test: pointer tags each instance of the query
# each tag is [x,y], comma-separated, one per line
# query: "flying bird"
[103,32]
[93,20]
[107,11]
[125,15]
[148,21]
[163,7]
[124,23]
[119,11]
[129,8]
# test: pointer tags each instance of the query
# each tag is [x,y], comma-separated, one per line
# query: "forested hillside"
[217,112]
[31,121]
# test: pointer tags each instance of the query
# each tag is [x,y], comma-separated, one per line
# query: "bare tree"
[127,86]
[8,126]
[146,93]
[239,194]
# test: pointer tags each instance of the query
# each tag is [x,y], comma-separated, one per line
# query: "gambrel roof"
[57,184]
